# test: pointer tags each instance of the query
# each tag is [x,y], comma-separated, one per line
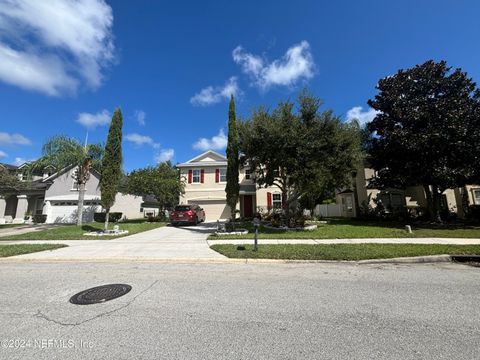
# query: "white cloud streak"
[212,95]
[217,142]
[140,116]
[139,140]
[297,64]
[54,46]
[13,139]
[91,121]
[3,154]
[363,117]
[165,155]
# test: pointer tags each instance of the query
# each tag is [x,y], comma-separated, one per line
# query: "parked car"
[187,214]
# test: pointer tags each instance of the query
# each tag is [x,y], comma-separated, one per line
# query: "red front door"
[247,206]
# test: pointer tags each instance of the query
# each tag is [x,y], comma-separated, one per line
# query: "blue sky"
[65,65]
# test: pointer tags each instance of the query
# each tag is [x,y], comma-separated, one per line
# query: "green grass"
[73,232]
[343,251]
[7,226]
[348,229]
[19,249]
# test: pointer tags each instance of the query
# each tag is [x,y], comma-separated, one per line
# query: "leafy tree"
[233,187]
[112,164]
[9,183]
[162,181]
[61,151]
[426,132]
[307,154]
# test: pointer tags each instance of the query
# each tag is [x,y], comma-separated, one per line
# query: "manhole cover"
[100,294]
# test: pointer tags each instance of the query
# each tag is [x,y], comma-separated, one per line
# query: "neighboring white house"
[205,178]
[56,195]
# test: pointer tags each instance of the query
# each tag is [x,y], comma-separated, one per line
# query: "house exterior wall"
[63,186]
[128,205]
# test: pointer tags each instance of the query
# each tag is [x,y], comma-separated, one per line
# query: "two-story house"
[205,178]
[55,194]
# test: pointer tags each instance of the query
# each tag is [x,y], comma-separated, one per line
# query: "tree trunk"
[436,204]
[107,215]
[81,196]
[433,203]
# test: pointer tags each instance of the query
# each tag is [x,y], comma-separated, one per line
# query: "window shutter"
[269,200]
[189,176]
[283,201]
[217,175]
[202,176]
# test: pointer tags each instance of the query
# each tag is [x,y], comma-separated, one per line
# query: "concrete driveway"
[163,243]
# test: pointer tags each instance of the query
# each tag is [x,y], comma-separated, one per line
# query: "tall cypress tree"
[112,164]
[233,187]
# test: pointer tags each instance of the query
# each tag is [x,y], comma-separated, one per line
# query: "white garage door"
[214,209]
[66,212]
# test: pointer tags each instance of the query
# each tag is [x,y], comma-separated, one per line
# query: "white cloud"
[19,161]
[13,139]
[54,46]
[297,64]
[165,155]
[91,121]
[3,154]
[140,140]
[140,116]
[363,117]
[212,95]
[217,142]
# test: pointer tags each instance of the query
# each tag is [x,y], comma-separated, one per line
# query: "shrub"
[113,216]
[159,218]
[39,219]
[474,212]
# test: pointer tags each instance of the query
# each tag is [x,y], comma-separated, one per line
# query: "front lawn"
[73,232]
[351,229]
[343,251]
[19,249]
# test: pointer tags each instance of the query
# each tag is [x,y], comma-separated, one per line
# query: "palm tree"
[61,151]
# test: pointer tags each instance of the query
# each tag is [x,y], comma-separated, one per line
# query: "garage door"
[214,209]
[66,212]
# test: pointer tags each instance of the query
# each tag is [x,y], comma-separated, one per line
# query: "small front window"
[196,176]
[248,174]
[277,201]
[75,185]
[476,196]
[223,175]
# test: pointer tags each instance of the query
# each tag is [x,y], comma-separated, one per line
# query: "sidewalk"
[445,241]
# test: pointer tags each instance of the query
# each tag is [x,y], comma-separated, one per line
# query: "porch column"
[3,205]
[22,207]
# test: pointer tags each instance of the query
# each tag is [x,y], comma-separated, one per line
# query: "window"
[223,175]
[24,176]
[196,176]
[476,197]
[248,174]
[277,201]
[75,186]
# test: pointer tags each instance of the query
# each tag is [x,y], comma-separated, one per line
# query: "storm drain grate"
[100,294]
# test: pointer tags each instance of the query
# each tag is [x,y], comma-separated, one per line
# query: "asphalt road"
[239,311]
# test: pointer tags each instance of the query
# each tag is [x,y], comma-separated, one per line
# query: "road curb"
[401,260]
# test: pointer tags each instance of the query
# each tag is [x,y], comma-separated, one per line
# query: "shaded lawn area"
[19,249]
[73,232]
[343,251]
[8,226]
[350,229]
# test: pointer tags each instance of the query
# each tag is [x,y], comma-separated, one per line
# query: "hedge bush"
[39,219]
[113,216]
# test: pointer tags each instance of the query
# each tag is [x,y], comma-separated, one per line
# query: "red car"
[187,214]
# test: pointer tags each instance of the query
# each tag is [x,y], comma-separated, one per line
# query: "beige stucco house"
[411,197]
[55,194]
[205,180]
